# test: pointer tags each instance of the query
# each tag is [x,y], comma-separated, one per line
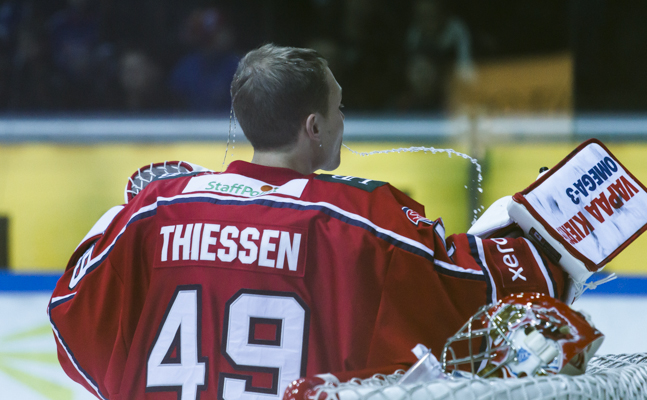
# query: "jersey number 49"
[175,362]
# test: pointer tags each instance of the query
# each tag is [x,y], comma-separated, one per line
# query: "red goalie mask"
[529,334]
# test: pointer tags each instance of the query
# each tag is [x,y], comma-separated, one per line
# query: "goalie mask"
[527,334]
[147,174]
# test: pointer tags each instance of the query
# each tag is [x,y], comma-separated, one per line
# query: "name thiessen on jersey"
[230,246]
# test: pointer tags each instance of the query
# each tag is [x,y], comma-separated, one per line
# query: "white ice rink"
[29,369]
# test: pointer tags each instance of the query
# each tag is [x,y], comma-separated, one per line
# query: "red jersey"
[232,285]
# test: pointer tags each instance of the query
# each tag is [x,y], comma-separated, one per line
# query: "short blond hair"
[274,90]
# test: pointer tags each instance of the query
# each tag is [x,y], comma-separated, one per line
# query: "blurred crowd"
[95,55]
[179,56]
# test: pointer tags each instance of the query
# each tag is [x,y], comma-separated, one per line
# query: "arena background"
[539,78]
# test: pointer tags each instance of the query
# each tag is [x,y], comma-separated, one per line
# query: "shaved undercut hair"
[274,90]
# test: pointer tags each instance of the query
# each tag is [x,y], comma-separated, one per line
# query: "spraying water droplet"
[232,129]
[432,150]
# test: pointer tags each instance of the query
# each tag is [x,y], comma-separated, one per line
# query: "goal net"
[620,376]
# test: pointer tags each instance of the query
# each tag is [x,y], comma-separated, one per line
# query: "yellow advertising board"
[53,194]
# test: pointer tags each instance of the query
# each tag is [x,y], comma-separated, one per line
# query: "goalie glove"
[582,213]
[149,173]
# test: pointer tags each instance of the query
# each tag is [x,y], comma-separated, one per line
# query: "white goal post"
[621,376]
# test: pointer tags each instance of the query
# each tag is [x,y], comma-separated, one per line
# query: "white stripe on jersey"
[542,267]
[56,299]
[456,268]
[275,199]
[479,246]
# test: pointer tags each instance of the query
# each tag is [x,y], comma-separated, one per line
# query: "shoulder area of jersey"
[158,171]
[367,185]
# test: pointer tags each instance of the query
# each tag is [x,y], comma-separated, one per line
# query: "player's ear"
[312,126]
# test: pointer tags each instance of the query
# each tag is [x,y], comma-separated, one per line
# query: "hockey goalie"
[231,285]
[201,283]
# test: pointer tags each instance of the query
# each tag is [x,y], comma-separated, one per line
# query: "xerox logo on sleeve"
[243,186]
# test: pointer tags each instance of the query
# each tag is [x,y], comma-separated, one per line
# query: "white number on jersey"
[283,355]
[81,267]
[174,362]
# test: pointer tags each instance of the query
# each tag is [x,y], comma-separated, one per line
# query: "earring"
[320,145]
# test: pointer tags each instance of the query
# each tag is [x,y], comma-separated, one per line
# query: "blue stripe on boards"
[30,282]
[623,285]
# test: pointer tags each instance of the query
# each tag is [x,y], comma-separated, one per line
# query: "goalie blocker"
[581,213]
